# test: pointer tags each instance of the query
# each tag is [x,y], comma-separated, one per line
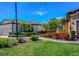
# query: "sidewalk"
[4,37]
[61,41]
[49,39]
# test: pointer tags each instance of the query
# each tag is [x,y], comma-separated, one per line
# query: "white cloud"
[40,13]
[59,17]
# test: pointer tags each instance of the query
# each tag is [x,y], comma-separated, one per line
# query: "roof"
[32,23]
[8,21]
[68,15]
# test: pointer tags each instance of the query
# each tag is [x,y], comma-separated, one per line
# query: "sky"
[38,12]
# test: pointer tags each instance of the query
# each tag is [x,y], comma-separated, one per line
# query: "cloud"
[59,17]
[40,13]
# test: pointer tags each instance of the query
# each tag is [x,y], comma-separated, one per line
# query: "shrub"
[72,33]
[54,35]
[7,42]
[64,35]
[29,33]
[34,38]
[44,35]
[21,40]
[42,31]
[13,35]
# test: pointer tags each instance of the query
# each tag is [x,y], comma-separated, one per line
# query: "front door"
[77,27]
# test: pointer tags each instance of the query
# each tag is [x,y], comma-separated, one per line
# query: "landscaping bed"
[54,35]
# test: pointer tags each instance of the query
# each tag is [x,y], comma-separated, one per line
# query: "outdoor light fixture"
[16,20]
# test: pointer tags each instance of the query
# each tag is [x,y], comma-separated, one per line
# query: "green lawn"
[41,48]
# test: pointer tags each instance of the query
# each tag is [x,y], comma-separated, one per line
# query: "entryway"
[77,27]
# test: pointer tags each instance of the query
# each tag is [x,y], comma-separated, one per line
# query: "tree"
[26,27]
[61,23]
[53,24]
[45,25]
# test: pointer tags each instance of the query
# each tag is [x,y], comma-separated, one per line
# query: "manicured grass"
[42,48]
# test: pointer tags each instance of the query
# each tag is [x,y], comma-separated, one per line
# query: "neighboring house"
[72,22]
[9,26]
[36,26]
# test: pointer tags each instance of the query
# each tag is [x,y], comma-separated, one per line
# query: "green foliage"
[45,25]
[13,35]
[42,31]
[26,27]
[72,33]
[29,33]
[21,40]
[34,38]
[54,24]
[7,42]
[24,34]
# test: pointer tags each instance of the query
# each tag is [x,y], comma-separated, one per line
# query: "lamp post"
[16,20]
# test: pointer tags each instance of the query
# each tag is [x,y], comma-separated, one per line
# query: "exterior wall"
[75,18]
[67,27]
[14,28]
[5,29]
[40,28]
[71,24]
[37,27]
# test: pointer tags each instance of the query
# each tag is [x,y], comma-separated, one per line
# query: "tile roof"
[68,15]
[7,21]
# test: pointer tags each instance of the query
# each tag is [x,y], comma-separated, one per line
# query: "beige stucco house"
[72,22]
[9,26]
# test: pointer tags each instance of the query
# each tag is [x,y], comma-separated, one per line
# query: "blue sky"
[36,11]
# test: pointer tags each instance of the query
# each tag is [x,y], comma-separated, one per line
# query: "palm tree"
[45,25]
[61,23]
[53,24]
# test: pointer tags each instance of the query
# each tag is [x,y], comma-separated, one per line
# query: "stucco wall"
[74,19]
[67,26]
[5,29]
[37,27]
[14,28]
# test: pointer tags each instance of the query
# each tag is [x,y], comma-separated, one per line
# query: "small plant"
[72,33]
[21,40]
[34,38]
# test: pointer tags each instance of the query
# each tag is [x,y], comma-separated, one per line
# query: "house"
[36,26]
[72,22]
[9,26]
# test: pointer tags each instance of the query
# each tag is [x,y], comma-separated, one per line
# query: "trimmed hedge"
[24,34]
[18,36]
[34,38]
[30,33]
[42,31]
[6,42]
